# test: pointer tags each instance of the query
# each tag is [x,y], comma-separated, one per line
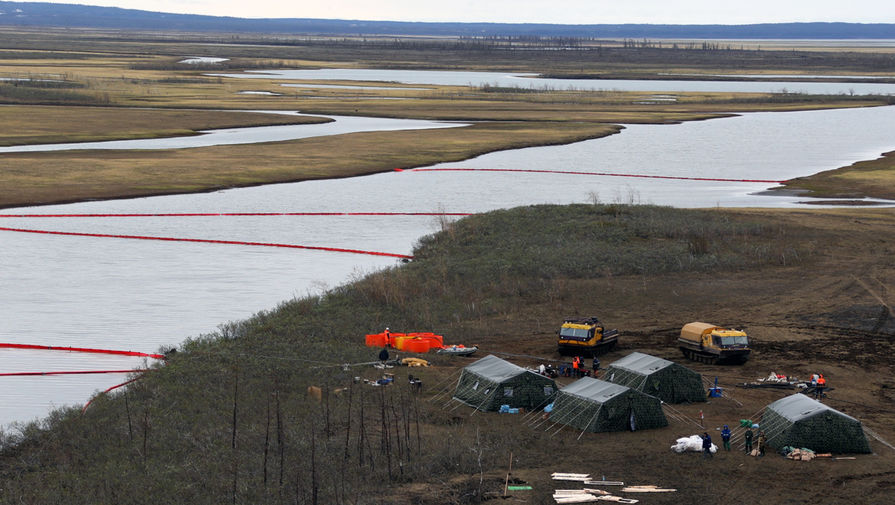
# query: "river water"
[145,295]
[253,135]
[531,81]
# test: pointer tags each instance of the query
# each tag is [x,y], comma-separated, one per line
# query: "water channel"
[141,296]
[531,81]
[252,135]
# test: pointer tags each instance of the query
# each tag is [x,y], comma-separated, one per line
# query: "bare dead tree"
[233,438]
[266,442]
[348,425]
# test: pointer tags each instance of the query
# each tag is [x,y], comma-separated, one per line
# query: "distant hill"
[41,14]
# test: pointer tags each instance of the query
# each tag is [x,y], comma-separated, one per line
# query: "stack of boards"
[589,495]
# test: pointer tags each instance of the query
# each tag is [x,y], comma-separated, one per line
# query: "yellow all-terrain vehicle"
[707,343]
[585,337]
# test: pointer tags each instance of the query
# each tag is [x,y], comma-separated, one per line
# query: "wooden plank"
[580,491]
[584,498]
[567,474]
[603,483]
[647,489]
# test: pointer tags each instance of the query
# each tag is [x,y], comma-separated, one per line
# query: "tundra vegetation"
[105,86]
[229,419]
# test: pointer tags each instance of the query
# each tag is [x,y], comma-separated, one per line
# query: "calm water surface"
[142,295]
[251,135]
[464,78]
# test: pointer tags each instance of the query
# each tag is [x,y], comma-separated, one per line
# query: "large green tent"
[666,380]
[492,382]
[595,405]
[798,421]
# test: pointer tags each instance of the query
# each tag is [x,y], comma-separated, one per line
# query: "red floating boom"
[240,214]
[604,174]
[68,372]
[116,386]
[210,241]
[81,349]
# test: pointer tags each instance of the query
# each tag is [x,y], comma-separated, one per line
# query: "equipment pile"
[798,454]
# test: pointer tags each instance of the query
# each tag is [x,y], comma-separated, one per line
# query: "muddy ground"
[830,315]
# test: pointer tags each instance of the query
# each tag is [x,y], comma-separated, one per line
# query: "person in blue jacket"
[706,445]
[725,437]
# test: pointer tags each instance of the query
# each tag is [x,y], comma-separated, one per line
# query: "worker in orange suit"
[819,390]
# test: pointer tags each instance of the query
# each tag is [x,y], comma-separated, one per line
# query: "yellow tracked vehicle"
[707,343]
[585,337]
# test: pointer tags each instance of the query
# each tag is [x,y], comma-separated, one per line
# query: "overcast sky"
[533,11]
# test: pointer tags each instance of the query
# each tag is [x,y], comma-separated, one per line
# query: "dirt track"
[827,314]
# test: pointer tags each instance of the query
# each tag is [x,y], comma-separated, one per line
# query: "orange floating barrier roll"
[393,339]
[401,342]
[423,340]
[418,345]
[377,340]
[436,341]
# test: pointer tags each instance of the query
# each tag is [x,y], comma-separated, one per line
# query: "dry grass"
[36,178]
[45,125]
[874,178]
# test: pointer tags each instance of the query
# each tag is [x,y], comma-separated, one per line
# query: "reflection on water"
[141,295]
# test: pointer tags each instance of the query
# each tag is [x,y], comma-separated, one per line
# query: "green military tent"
[798,421]
[595,405]
[492,382]
[666,380]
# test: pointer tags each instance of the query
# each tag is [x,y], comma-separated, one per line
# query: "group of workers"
[725,440]
[578,368]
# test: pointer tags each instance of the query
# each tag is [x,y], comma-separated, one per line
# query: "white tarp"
[691,443]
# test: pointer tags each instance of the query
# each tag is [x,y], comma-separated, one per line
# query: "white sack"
[692,443]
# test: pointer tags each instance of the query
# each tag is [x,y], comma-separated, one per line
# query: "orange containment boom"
[419,342]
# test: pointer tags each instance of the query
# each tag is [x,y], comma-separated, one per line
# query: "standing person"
[706,445]
[383,355]
[576,366]
[761,442]
[725,437]
[819,390]
[747,437]
[596,366]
